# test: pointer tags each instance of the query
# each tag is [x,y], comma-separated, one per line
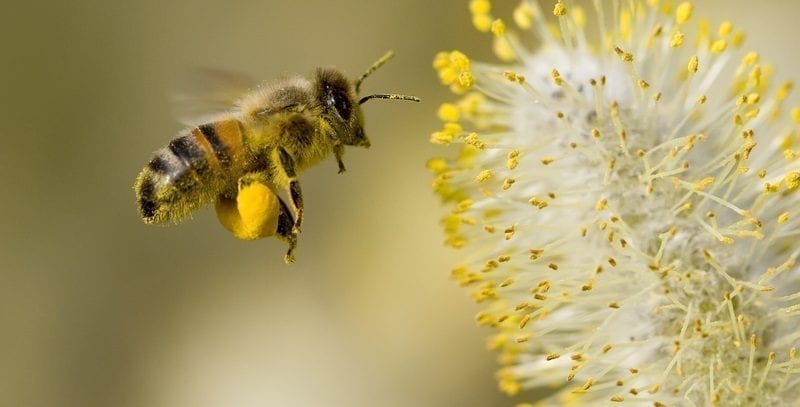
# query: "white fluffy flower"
[626,203]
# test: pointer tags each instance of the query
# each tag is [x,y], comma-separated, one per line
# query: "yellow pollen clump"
[684,12]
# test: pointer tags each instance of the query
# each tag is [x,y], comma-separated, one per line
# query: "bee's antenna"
[390,96]
[384,59]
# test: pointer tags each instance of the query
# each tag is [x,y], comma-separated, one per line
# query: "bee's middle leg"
[295,193]
[338,151]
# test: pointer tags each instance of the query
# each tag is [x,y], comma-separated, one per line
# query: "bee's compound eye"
[337,98]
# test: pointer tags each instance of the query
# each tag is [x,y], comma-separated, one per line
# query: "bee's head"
[341,108]
[338,96]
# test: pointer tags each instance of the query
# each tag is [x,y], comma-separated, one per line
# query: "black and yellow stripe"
[190,172]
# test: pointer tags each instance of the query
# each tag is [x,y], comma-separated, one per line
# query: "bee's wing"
[208,92]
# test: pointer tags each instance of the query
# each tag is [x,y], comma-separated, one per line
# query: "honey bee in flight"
[247,161]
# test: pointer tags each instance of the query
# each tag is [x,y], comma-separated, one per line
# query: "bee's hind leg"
[295,193]
[286,231]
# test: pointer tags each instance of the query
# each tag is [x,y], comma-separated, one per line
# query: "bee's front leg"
[338,151]
[295,193]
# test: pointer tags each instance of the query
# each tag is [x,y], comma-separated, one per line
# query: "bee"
[247,161]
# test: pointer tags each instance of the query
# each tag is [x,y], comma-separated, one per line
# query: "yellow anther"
[792,180]
[473,140]
[725,29]
[436,165]
[441,60]
[750,59]
[625,56]
[784,91]
[556,76]
[703,183]
[482,22]
[684,12]
[625,24]
[453,128]
[796,115]
[601,204]
[498,27]
[503,49]
[459,60]
[507,183]
[719,46]
[560,9]
[783,218]
[514,77]
[523,15]
[694,63]
[752,98]
[448,75]
[524,321]
[480,6]
[537,202]
[466,79]
[448,112]
[738,39]
[483,175]
[579,16]
[548,160]
[677,39]
[441,138]
[643,84]
[513,159]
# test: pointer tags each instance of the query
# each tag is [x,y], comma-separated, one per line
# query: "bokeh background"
[97,309]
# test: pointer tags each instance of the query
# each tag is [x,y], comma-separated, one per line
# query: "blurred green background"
[98,309]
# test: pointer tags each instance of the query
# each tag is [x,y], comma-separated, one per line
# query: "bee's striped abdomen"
[190,172]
